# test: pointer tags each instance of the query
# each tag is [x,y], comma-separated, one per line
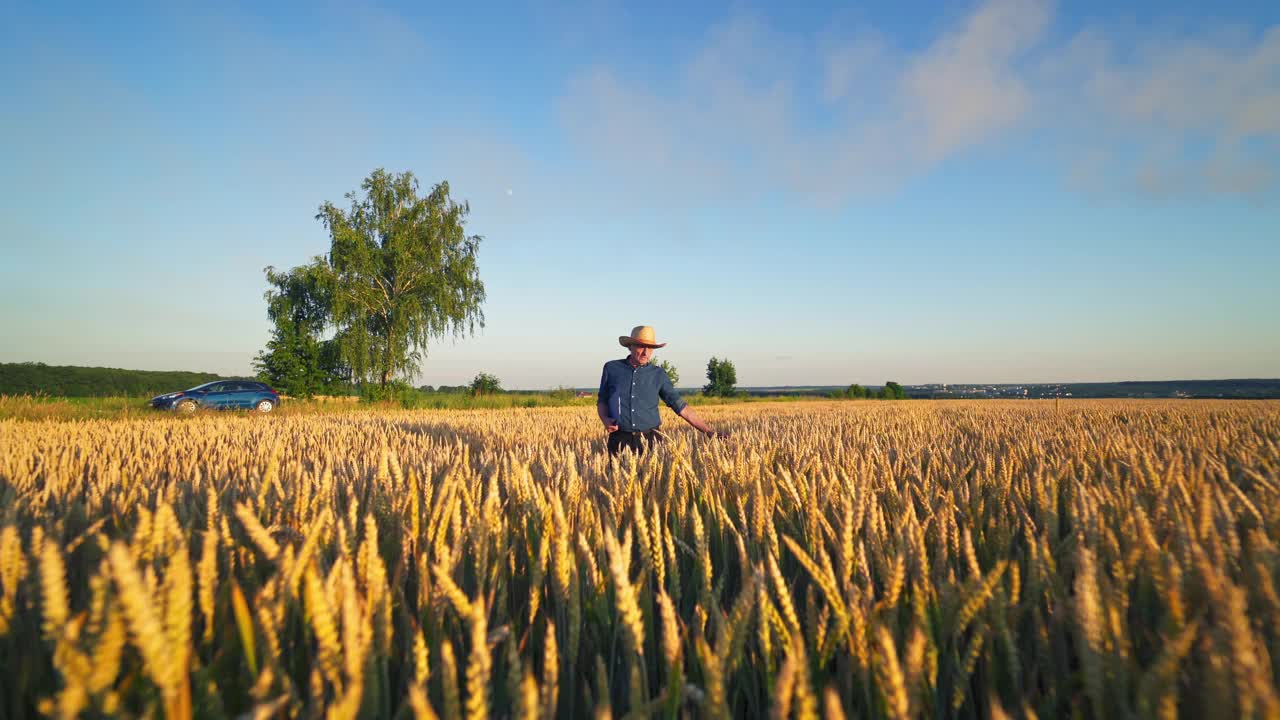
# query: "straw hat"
[640,335]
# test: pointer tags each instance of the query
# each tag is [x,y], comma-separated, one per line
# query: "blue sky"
[1001,191]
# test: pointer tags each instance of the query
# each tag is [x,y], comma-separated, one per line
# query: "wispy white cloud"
[848,65]
[1172,114]
[969,85]
[755,111]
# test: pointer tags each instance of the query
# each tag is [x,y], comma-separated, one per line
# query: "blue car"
[221,395]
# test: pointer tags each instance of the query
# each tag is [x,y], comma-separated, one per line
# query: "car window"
[218,387]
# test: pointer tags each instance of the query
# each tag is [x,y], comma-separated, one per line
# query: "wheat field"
[836,559]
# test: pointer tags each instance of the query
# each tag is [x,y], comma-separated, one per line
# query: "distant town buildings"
[1185,389]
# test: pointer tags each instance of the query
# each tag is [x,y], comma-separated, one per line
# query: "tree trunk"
[386,353]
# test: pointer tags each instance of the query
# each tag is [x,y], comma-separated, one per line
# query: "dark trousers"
[637,441]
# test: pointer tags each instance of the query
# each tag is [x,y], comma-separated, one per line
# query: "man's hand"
[717,434]
[611,425]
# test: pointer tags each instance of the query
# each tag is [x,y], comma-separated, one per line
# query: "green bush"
[396,391]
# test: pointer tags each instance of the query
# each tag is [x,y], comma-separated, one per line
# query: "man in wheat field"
[629,393]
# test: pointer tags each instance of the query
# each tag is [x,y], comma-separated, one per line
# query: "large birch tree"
[402,271]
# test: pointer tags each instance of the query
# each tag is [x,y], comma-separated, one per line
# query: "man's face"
[641,354]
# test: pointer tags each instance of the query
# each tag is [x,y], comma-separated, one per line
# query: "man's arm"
[602,402]
[689,416]
[681,407]
[602,409]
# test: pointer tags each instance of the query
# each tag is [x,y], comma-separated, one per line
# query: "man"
[629,393]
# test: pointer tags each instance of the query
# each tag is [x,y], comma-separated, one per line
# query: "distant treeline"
[1253,388]
[890,391]
[1230,389]
[32,378]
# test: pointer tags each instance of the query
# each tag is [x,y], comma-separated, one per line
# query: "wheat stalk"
[53,584]
[890,680]
[144,625]
[478,665]
[550,673]
[625,596]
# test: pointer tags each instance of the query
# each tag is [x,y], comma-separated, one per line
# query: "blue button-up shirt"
[632,394]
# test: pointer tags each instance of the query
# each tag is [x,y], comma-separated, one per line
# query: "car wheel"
[265,406]
[186,407]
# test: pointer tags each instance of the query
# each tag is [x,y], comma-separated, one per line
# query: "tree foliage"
[401,271]
[854,391]
[890,391]
[722,378]
[485,384]
[670,370]
[297,360]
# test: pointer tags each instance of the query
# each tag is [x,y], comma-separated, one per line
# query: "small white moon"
[508,192]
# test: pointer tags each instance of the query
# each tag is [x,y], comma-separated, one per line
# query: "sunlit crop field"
[899,559]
